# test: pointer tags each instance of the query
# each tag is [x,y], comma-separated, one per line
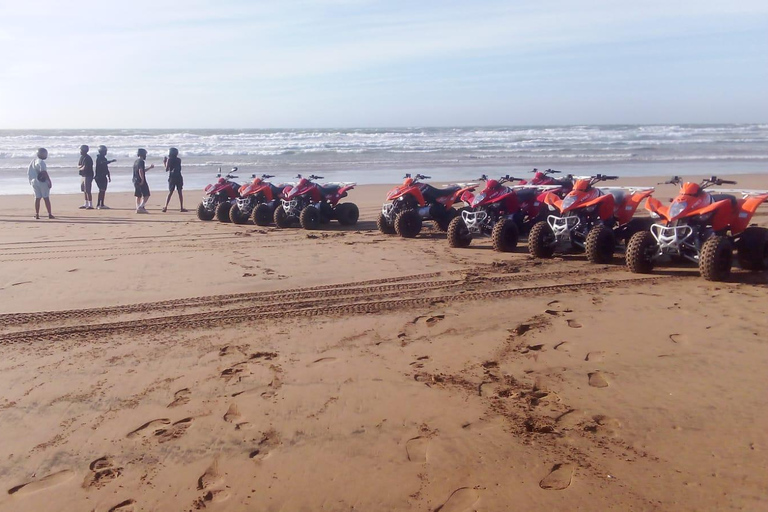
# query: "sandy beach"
[160,363]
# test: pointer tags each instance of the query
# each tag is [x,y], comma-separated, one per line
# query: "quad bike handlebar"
[547,172]
[311,177]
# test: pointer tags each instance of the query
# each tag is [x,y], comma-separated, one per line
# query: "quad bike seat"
[433,193]
[328,190]
[618,194]
[722,197]
[276,191]
[526,194]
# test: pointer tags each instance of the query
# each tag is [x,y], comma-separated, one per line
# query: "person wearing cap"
[85,166]
[140,185]
[102,176]
[40,181]
[175,180]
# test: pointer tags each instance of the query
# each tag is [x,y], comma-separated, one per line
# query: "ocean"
[384,155]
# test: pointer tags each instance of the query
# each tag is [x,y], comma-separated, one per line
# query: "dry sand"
[156,362]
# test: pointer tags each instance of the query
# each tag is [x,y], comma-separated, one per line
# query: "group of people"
[41,180]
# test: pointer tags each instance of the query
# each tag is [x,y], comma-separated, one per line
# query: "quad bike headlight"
[677,208]
[568,201]
[478,199]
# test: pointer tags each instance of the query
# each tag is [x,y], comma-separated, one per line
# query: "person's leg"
[181,201]
[88,189]
[167,200]
[100,200]
[37,207]
[47,206]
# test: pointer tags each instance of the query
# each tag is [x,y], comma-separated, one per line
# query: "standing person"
[85,165]
[175,180]
[102,176]
[140,180]
[40,181]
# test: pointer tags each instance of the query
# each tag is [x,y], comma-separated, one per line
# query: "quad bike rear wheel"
[347,214]
[541,240]
[716,258]
[262,214]
[443,222]
[752,249]
[408,223]
[505,235]
[222,211]
[310,218]
[236,216]
[640,251]
[600,244]
[458,234]
[203,213]
[384,226]
[282,220]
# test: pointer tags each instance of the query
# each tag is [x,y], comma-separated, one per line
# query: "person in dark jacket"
[140,185]
[85,168]
[102,176]
[175,180]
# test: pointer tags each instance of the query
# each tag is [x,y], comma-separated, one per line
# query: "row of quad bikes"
[558,214]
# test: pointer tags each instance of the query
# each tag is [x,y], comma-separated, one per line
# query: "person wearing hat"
[140,185]
[40,181]
[85,166]
[175,180]
[102,176]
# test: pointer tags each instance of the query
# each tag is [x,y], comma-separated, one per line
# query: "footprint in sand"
[211,478]
[46,482]
[124,506]
[175,431]
[180,397]
[324,360]
[462,499]
[434,319]
[563,346]
[559,477]
[232,414]
[571,419]
[269,440]
[150,425]
[103,471]
[416,449]
[573,323]
[597,380]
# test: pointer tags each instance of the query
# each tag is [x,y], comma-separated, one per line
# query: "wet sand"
[157,362]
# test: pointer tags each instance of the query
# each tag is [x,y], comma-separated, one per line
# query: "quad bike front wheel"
[505,235]
[222,211]
[384,226]
[600,244]
[458,234]
[236,216]
[640,251]
[203,213]
[752,249]
[347,214]
[282,220]
[716,258]
[408,223]
[541,240]
[310,218]
[262,214]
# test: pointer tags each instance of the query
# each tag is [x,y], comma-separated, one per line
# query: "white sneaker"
[98,207]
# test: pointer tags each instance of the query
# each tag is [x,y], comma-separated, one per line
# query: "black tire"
[634,226]
[309,218]
[541,240]
[458,234]
[640,251]
[384,226]
[408,223]
[262,214]
[222,211]
[204,214]
[505,235]
[716,258]
[752,249]
[282,220]
[347,214]
[443,222]
[235,216]
[600,244]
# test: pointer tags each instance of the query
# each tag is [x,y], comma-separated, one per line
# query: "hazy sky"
[344,63]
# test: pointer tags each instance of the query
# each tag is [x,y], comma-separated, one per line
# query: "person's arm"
[141,175]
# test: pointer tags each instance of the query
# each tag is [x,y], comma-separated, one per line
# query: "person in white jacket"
[40,181]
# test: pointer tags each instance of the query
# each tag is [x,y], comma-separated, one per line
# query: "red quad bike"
[592,219]
[311,204]
[703,228]
[414,202]
[218,198]
[546,178]
[499,212]
[257,200]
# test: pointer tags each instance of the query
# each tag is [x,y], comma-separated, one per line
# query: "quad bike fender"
[265,189]
[653,205]
[632,201]
[467,196]
[723,212]
[407,191]
[605,202]
[456,197]
[553,200]
[744,211]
